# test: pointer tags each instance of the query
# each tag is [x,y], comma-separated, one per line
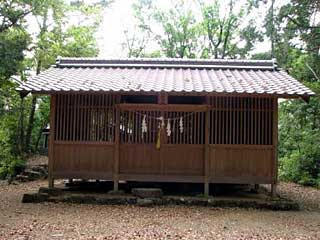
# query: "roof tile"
[178,75]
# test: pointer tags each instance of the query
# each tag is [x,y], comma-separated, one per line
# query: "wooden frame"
[229,139]
[51,140]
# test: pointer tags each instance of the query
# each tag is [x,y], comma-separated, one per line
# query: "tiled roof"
[166,75]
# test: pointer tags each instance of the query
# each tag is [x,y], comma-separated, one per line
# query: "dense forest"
[188,29]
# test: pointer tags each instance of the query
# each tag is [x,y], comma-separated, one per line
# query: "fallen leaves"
[102,222]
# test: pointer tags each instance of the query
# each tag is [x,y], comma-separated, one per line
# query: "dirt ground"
[75,221]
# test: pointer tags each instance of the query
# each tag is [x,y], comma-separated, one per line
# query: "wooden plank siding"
[53,116]
[228,139]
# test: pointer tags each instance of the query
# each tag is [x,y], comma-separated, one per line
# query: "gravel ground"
[66,221]
[36,160]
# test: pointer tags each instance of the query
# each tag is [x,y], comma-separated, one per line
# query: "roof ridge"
[167,63]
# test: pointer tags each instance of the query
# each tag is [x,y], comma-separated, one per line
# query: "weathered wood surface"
[227,139]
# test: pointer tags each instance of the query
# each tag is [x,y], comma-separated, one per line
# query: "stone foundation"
[258,201]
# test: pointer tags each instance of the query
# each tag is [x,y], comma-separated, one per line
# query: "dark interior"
[139,99]
[186,100]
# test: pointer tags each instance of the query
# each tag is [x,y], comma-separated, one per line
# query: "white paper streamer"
[144,127]
[181,125]
[168,128]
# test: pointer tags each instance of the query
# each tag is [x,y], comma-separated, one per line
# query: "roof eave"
[305,97]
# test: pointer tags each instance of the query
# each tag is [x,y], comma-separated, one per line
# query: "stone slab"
[122,199]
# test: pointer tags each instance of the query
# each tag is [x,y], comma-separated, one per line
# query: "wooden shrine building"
[165,120]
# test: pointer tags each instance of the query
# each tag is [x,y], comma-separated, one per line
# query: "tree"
[75,41]
[182,34]
[296,47]
[179,37]
[224,34]
[21,123]
[14,40]
[13,12]
[137,37]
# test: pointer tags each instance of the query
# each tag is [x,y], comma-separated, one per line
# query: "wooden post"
[275,148]
[51,140]
[116,152]
[206,153]
[70,181]
[274,189]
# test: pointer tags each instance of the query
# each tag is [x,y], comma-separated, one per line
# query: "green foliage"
[224,34]
[180,31]
[192,29]
[186,30]
[295,35]
[10,166]
[12,44]
[138,37]
[22,121]
[10,162]
[299,134]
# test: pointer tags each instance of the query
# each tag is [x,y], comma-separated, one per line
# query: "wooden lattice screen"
[192,133]
[131,126]
[81,117]
[240,120]
[233,120]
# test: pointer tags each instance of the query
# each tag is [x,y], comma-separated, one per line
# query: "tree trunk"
[30,124]
[20,146]
[43,30]
[32,112]
[36,148]
[272,29]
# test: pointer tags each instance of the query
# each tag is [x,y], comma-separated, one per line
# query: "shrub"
[10,167]
[10,164]
[299,145]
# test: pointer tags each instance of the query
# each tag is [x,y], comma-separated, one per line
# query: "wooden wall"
[226,140]
[78,160]
[241,164]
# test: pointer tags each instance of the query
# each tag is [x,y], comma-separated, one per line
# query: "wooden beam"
[162,98]
[51,140]
[220,94]
[163,107]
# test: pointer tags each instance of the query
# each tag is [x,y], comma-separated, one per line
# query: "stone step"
[147,192]
[31,174]
[41,169]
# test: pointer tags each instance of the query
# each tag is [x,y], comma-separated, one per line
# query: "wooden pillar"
[206,153]
[273,189]
[70,182]
[275,148]
[51,140]
[116,152]
[162,98]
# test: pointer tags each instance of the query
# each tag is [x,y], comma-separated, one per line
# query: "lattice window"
[82,117]
[192,130]
[240,120]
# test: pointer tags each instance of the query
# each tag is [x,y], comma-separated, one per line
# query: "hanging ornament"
[168,128]
[173,125]
[181,125]
[158,143]
[161,124]
[144,127]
